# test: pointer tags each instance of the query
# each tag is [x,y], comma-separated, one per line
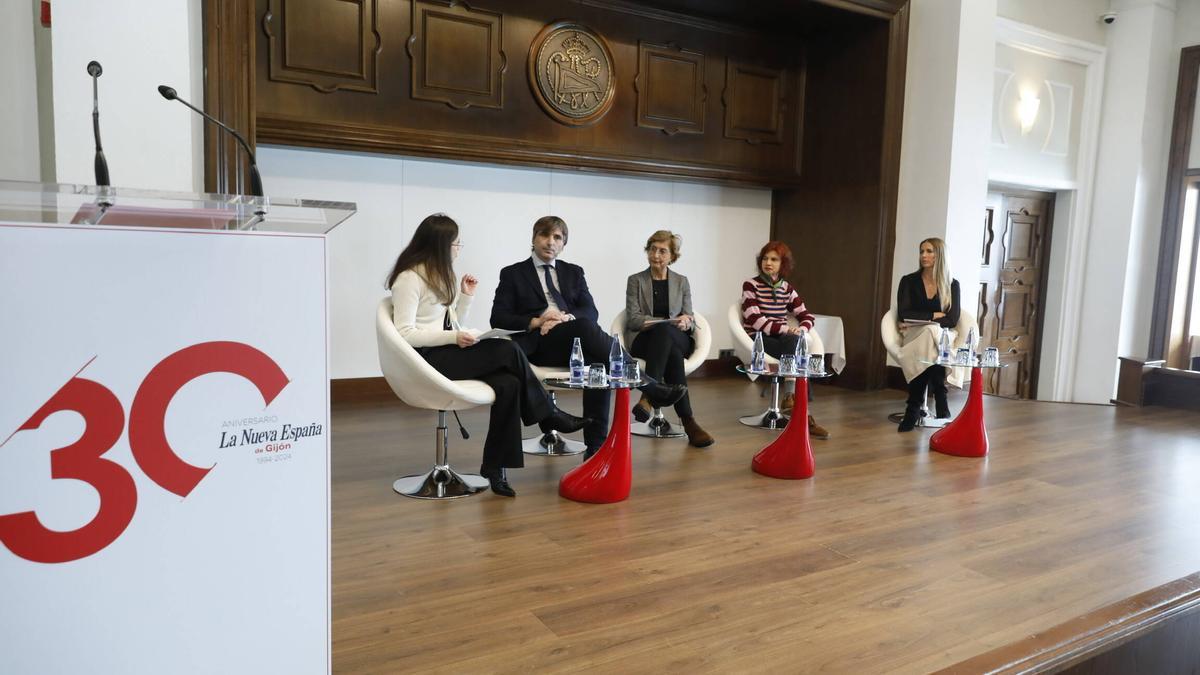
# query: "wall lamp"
[1027,110]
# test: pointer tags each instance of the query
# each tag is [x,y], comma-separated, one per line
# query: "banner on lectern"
[164,451]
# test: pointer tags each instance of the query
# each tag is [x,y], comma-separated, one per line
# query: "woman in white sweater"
[428,305]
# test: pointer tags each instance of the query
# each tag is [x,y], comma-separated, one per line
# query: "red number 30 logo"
[104,419]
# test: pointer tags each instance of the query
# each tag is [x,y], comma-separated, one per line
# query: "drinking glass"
[597,377]
[962,357]
[816,364]
[787,364]
[991,357]
[633,372]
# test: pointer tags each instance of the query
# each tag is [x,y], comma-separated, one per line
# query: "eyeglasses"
[457,244]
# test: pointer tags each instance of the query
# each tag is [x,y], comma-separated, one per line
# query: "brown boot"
[816,430]
[788,403]
[696,436]
[642,410]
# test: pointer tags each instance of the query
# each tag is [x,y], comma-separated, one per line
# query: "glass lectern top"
[62,204]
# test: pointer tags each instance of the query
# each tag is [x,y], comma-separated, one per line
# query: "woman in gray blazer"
[658,308]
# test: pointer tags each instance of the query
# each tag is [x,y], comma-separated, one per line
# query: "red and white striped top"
[765,308]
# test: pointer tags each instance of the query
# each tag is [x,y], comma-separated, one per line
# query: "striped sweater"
[765,308]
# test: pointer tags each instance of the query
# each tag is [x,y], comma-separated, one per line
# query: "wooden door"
[1016,247]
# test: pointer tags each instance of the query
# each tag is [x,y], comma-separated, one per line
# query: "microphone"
[94,69]
[255,180]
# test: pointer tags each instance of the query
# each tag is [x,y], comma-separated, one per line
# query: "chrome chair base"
[656,427]
[771,419]
[931,422]
[551,444]
[441,482]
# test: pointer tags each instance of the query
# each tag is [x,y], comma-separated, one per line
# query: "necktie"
[558,298]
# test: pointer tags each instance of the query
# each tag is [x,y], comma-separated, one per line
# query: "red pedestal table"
[790,455]
[606,477]
[966,435]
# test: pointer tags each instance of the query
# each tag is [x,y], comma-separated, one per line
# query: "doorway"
[1012,278]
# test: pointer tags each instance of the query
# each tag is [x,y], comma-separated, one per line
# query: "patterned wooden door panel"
[1014,312]
[1011,274]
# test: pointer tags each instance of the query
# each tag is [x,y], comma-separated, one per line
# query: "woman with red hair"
[767,301]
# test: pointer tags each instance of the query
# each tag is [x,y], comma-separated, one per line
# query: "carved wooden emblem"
[571,73]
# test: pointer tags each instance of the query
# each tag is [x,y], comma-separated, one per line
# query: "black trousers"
[519,396]
[554,350]
[778,345]
[934,378]
[664,347]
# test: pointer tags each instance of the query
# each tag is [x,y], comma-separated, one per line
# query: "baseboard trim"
[725,367]
[356,389]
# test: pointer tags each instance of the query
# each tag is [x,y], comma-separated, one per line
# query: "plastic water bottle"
[802,351]
[616,360]
[578,370]
[758,355]
[944,347]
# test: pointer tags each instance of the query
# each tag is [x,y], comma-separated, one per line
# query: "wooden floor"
[891,559]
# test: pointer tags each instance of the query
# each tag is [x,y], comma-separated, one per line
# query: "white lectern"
[164,432]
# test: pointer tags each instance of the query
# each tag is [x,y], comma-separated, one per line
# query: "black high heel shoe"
[563,422]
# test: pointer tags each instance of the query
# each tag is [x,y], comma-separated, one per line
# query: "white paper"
[492,333]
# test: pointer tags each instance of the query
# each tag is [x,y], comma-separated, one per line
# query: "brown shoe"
[788,403]
[696,436]
[642,410]
[816,430]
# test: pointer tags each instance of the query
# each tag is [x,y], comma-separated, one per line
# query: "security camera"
[1109,18]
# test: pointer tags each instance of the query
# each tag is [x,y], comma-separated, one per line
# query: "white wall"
[609,219]
[148,141]
[1048,151]
[1127,209]
[44,58]
[1078,19]
[946,135]
[19,153]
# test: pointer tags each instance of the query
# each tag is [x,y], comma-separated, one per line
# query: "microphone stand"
[256,188]
[101,164]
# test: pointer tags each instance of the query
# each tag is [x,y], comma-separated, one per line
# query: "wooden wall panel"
[457,55]
[325,45]
[755,101]
[229,31]
[840,222]
[670,89]
[407,113]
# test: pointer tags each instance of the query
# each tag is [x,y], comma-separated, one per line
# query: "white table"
[834,336]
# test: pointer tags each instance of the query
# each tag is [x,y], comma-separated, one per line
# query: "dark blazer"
[519,298]
[911,302]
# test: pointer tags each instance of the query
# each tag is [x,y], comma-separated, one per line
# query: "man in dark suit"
[548,299]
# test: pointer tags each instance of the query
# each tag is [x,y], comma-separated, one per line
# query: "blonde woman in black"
[929,294]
